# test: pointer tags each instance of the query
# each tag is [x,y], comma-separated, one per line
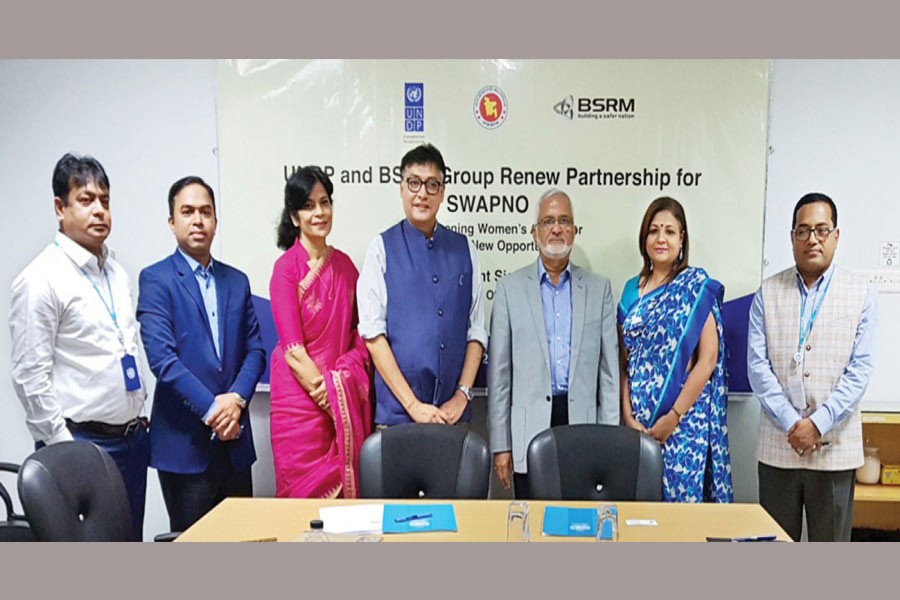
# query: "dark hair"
[423,155]
[183,183]
[296,193]
[812,198]
[77,171]
[673,206]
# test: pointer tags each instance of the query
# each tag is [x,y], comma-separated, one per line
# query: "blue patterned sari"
[661,331]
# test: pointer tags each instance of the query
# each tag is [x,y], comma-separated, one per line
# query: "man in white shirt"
[75,358]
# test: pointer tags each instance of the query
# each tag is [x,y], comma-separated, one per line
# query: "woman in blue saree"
[672,360]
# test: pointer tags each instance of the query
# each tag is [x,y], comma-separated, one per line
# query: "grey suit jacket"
[519,387]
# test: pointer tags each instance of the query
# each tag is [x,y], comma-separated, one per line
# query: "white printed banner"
[613,134]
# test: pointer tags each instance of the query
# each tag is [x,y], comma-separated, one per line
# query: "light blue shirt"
[556,301]
[846,395]
[206,281]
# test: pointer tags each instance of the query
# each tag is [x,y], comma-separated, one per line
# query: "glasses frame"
[812,230]
[551,221]
[420,183]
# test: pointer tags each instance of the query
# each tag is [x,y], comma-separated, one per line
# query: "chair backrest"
[424,460]
[594,462]
[15,528]
[72,492]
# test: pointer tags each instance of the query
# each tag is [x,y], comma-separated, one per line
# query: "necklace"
[636,318]
[647,289]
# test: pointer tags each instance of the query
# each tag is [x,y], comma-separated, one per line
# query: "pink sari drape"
[316,455]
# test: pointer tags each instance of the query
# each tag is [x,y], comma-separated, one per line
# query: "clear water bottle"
[316,532]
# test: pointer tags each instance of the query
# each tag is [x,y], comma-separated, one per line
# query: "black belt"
[559,410]
[105,429]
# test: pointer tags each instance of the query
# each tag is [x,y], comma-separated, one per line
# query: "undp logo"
[414,107]
[490,107]
[414,93]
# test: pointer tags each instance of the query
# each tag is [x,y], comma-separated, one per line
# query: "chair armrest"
[11,515]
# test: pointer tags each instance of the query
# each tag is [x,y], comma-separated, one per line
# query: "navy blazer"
[189,375]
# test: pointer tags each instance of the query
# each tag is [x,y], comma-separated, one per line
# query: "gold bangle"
[677,414]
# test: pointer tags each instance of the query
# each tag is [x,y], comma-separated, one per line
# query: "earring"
[681,254]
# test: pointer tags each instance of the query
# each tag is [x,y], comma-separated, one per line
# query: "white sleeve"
[33,323]
[371,292]
[476,330]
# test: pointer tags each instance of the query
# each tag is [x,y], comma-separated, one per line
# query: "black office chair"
[424,460]
[15,528]
[73,492]
[594,462]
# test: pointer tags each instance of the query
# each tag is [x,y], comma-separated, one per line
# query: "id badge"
[130,371]
[795,391]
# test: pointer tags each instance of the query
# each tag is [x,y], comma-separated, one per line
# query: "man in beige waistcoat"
[810,355]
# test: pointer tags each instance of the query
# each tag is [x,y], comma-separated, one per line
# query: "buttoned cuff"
[209,412]
[822,420]
[788,417]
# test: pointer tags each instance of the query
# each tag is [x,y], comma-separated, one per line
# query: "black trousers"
[559,415]
[827,497]
[189,497]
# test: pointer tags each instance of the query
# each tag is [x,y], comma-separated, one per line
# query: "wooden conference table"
[284,520]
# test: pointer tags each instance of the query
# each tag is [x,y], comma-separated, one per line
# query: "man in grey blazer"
[553,349]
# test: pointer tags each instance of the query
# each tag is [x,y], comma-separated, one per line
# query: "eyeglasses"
[822,232]
[548,222]
[432,186]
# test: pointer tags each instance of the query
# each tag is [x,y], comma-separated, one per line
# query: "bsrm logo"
[588,105]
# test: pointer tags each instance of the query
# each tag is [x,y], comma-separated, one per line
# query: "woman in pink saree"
[320,368]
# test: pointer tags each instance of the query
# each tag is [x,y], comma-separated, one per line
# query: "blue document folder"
[571,522]
[410,518]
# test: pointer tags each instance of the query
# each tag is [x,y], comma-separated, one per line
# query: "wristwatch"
[466,390]
[240,401]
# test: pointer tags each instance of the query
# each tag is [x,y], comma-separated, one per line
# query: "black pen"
[412,518]
[752,538]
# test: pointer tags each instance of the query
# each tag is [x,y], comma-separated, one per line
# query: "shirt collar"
[434,232]
[194,265]
[80,255]
[823,277]
[564,276]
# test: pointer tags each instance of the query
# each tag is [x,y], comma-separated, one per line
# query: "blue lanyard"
[804,331]
[110,309]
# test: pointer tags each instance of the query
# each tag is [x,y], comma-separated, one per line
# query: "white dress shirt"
[66,349]
[372,296]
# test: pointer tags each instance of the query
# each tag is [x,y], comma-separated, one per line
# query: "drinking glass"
[607,523]
[517,527]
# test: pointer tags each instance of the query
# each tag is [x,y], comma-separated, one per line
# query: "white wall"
[149,123]
[835,128]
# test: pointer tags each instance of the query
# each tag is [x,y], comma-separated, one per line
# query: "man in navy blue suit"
[203,344]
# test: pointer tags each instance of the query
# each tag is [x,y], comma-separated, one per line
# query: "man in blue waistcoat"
[420,307]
